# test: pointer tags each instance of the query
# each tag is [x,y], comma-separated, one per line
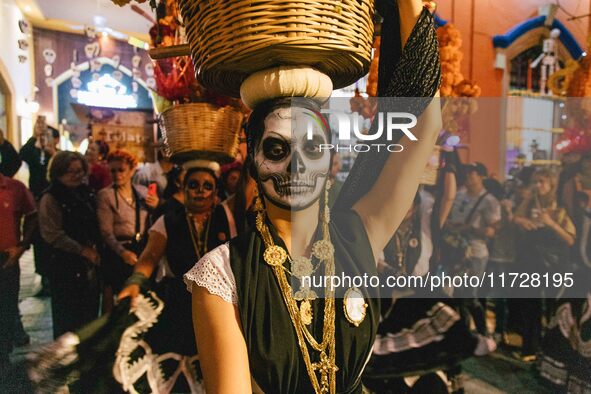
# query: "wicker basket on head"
[232,39]
[201,131]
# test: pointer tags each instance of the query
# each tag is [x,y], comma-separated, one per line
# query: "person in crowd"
[99,176]
[37,152]
[154,173]
[401,348]
[123,212]
[584,238]
[569,167]
[68,223]
[173,197]
[410,249]
[10,161]
[475,213]
[181,236]
[546,234]
[16,205]
[502,256]
[450,178]
[443,194]
[230,179]
[578,183]
[232,215]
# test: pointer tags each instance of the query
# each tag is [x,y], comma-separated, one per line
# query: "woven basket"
[231,39]
[201,131]
[431,172]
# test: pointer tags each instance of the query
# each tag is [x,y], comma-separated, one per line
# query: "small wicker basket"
[232,39]
[201,131]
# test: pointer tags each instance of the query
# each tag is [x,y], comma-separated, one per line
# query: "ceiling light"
[105,34]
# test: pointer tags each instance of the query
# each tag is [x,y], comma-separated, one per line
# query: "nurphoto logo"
[348,126]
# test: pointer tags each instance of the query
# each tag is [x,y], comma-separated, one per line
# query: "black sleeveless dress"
[275,358]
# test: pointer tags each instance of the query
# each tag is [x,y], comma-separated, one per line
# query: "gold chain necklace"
[195,237]
[276,256]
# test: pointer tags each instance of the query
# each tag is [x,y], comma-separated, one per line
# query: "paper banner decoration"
[136,74]
[23,44]
[90,31]
[76,83]
[117,75]
[135,61]
[95,65]
[49,81]
[134,86]
[24,26]
[48,70]
[149,68]
[49,55]
[22,58]
[74,93]
[151,82]
[92,50]
[96,76]
[116,61]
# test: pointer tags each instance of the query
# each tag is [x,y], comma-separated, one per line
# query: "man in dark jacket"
[10,161]
[37,152]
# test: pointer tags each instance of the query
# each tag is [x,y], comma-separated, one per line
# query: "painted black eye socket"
[196,185]
[275,149]
[312,148]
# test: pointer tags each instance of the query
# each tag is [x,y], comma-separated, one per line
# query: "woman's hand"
[547,219]
[129,257]
[152,201]
[90,254]
[526,224]
[130,291]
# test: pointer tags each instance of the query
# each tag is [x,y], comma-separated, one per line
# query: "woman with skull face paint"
[182,236]
[252,332]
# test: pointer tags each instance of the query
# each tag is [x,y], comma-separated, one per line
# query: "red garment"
[16,201]
[99,176]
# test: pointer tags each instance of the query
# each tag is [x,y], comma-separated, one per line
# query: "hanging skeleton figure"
[548,59]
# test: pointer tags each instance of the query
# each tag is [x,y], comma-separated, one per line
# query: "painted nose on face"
[297,164]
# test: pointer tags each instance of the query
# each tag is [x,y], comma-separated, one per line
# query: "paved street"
[496,374]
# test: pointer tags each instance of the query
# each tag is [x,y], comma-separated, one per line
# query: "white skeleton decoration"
[291,168]
[549,60]
[128,371]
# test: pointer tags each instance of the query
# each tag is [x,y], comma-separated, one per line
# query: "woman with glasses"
[123,212]
[189,231]
[68,222]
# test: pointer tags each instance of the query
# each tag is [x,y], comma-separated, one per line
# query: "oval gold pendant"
[355,306]
[306,312]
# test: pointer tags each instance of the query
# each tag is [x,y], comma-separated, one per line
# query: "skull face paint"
[200,188]
[291,167]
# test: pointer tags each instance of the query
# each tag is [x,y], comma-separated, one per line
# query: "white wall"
[20,75]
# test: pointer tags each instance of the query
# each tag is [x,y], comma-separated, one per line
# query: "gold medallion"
[306,312]
[275,256]
[354,306]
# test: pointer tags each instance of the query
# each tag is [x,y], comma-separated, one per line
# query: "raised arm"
[222,350]
[383,207]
